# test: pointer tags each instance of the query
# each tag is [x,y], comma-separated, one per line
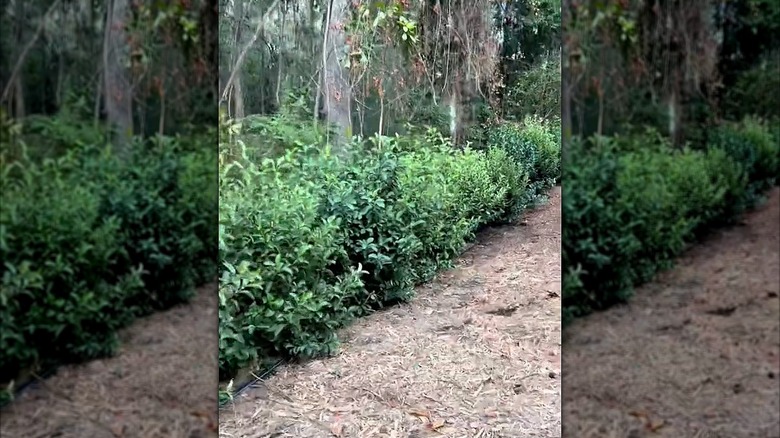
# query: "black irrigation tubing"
[35,379]
[258,378]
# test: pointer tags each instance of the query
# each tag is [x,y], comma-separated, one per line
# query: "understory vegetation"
[659,156]
[332,208]
[109,192]
[91,241]
[309,241]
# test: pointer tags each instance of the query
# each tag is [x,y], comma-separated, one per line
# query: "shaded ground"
[694,354]
[161,384]
[476,354]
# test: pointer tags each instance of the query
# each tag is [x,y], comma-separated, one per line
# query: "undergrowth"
[308,241]
[90,241]
[631,204]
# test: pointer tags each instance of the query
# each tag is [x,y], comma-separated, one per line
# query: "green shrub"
[533,145]
[365,197]
[271,136]
[278,292]
[491,187]
[547,138]
[58,292]
[308,241]
[90,241]
[631,204]
[750,95]
[199,206]
[423,114]
[536,91]
[50,137]
[593,254]
[752,147]
[430,195]
[766,147]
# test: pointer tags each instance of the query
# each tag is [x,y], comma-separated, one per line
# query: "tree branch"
[249,45]
[26,51]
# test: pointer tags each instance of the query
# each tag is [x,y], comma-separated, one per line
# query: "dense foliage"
[659,158]
[631,204]
[90,241]
[337,197]
[308,241]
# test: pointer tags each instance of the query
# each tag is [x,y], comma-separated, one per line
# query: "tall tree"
[118,93]
[335,86]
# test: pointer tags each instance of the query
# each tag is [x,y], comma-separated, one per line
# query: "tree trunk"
[334,85]
[19,107]
[238,99]
[237,93]
[209,35]
[566,85]
[118,95]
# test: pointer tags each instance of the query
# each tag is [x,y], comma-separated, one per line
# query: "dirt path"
[475,354]
[162,384]
[704,343]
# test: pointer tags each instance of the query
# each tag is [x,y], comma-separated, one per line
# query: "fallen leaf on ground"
[654,426]
[421,413]
[437,424]
[650,424]
[200,414]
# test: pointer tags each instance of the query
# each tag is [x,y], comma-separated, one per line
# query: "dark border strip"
[259,377]
[32,379]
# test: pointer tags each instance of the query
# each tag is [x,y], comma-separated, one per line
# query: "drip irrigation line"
[258,378]
[34,379]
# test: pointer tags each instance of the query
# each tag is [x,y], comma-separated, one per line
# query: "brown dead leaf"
[436,424]
[650,424]
[655,426]
[203,416]
[423,414]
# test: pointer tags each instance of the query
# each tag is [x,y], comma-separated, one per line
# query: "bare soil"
[696,353]
[475,354]
[162,383]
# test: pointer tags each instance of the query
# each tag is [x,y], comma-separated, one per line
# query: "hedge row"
[309,242]
[630,205]
[90,242]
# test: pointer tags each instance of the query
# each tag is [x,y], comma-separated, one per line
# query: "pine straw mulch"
[694,354]
[475,354]
[162,383]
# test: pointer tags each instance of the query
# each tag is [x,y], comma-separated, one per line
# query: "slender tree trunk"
[119,99]
[60,80]
[237,97]
[566,85]
[279,75]
[209,35]
[19,107]
[334,86]
[313,48]
[14,80]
